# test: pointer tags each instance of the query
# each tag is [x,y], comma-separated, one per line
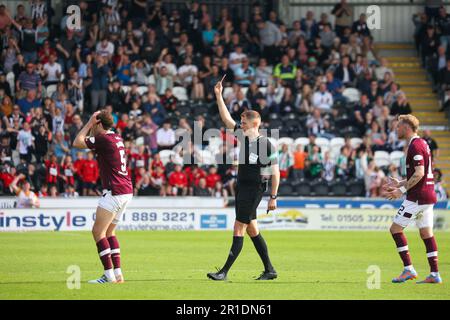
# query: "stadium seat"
[125,89]
[140,141]
[320,188]
[303,189]
[263,90]
[338,188]
[180,93]
[275,124]
[286,140]
[355,188]
[142,90]
[285,189]
[165,155]
[381,158]
[351,94]
[302,140]
[151,79]
[51,89]
[337,142]
[323,143]
[227,91]
[10,78]
[395,157]
[184,110]
[355,142]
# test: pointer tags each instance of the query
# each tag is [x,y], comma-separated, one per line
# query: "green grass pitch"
[173,265]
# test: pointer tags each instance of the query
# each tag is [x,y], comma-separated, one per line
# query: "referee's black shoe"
[218,276]
[268,275]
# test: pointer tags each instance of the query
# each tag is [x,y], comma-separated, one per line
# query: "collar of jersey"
[412,138]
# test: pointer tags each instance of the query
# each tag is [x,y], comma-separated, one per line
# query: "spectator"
[285,72]
[315,163]
[165,137]
[344,15]
[25,142]
[323,99]
[26,198]
[99,84]
[431,143]
[245,74]
[202,189]
[270,37]
[28,80]
[401,106]
[177,182]
[89,173]
[360,26]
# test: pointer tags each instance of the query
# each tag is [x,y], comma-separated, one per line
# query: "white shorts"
[409,211]
[115,204]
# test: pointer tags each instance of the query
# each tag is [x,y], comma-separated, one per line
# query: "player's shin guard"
[261,248]
[432,253]
[402,248]
[115,254]
[236,247]
[104,251]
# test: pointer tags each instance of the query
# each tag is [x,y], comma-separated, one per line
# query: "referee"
[257,163]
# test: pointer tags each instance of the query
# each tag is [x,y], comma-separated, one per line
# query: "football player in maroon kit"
[118,190]
[419,202]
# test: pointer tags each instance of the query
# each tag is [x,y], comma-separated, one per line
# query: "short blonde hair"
[410,120]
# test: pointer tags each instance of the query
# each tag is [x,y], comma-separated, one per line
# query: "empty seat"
[320,188]
[355,142]
[180,93]
[303,190]
[338,189]
[142,90]
[302,141]
[395,157]
[355,188]
[285,189]
[286,140]
[351,94]
[338,141]
[382,158]
[51,89]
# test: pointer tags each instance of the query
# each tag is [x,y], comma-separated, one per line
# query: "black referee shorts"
[247,201]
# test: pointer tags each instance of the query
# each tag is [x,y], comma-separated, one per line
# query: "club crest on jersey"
[418,157]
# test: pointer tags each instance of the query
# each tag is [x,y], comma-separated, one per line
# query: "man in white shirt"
[105,48]
[165,137]
[323,99]
[381,70]
[187,71]
[236,58]
[52,71]
[25,142]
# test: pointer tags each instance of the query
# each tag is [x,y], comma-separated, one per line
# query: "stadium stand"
[337,101]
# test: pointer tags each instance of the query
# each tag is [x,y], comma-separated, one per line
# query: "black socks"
[236,248]
[261,247]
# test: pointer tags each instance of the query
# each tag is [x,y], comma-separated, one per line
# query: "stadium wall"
[396,17]
[143,214]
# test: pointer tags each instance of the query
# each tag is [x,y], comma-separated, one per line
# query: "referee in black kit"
[257,163]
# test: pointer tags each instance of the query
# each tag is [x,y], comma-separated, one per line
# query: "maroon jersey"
[419,155]
[112,162]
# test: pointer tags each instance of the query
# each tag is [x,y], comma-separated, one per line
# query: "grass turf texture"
[173,265]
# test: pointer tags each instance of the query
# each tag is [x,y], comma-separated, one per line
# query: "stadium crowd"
[155,73]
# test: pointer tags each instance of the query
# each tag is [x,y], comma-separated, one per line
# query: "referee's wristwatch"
[273,197]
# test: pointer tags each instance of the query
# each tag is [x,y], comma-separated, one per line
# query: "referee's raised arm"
[223,110]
